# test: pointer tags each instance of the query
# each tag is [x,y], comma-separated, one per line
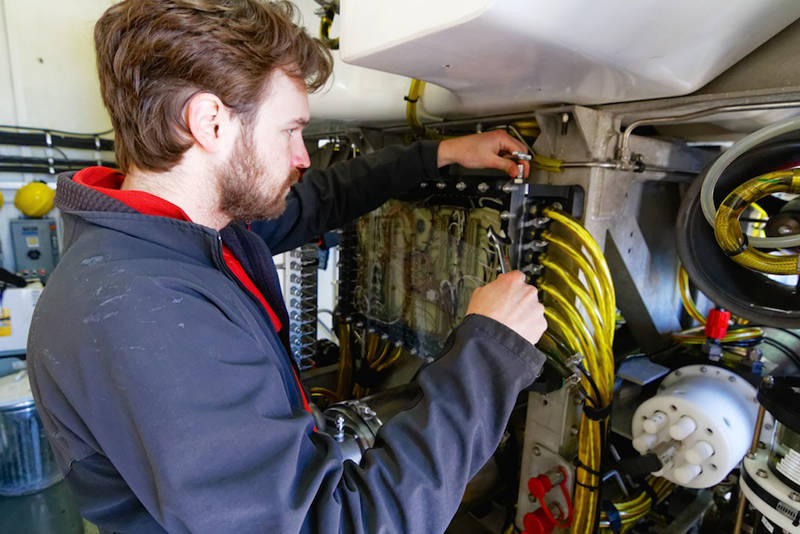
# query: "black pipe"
[56,140]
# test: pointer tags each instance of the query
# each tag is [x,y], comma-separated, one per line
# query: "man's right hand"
[509,300]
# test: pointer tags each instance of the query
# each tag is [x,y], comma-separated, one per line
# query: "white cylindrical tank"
[709,412]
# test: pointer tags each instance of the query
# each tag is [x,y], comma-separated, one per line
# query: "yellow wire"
[686,297]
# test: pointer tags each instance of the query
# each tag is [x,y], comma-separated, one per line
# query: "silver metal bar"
[622,151]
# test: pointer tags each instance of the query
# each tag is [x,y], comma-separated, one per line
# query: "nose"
[300,159]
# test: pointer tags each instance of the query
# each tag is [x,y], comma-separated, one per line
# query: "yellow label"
[5,322]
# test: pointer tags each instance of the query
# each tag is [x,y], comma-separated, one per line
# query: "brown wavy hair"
[154,55]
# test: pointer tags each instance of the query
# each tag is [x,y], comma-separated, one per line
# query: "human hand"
[483,151]
[509,300]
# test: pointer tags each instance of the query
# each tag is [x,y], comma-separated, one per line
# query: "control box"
[35,246]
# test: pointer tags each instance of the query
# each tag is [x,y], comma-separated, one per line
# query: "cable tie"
[581,465]
[590,488]
[413,101]
[614,520]
[597,414]
[739,250]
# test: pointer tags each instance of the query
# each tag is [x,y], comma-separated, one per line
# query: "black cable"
[582,369]
[792,355]
[787,331]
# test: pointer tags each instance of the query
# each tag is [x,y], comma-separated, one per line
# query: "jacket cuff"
[529,357]
[429,150]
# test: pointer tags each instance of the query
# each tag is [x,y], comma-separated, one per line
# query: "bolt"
[795,496]
[704,369]
[731,379]
[339,436]
[768,426]
[769,381]
[761,473]
[441,185]
[483,187]
[461,186]
[537,451]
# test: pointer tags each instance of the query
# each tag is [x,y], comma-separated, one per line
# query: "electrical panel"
[408,269]
[35,246]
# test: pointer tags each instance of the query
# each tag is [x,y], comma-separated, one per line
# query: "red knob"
[717,324]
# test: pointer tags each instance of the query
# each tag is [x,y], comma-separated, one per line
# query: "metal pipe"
[622,150]
[750,454]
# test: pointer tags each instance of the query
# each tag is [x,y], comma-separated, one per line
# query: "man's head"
[154,57]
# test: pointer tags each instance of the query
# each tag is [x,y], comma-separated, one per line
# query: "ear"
[209,121]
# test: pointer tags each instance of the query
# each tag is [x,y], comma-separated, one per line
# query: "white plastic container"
[510,55]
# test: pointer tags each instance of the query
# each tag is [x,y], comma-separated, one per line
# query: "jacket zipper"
[220,260]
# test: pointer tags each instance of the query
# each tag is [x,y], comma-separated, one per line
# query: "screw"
[768,426]
[731,379]
[704,369]
[537,451]
[795,496]
[483,187]
[461,186]
[761,473]
[769,381]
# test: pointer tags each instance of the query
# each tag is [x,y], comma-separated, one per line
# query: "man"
[158,351]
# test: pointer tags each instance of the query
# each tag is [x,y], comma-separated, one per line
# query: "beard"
[247,190]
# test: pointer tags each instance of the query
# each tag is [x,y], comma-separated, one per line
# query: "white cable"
[722,163]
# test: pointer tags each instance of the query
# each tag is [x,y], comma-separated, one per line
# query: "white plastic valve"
[700,452]
[644,442]
[683,428]
[686,473]
[655,422]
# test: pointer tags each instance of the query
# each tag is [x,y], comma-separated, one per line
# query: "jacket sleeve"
[327,199]
[197,422]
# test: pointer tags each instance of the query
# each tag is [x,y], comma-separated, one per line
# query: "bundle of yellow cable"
[634,509]
[585,322]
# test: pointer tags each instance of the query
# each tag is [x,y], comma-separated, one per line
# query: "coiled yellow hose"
[729,233]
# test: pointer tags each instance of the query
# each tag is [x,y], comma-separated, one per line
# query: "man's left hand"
[483,151]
